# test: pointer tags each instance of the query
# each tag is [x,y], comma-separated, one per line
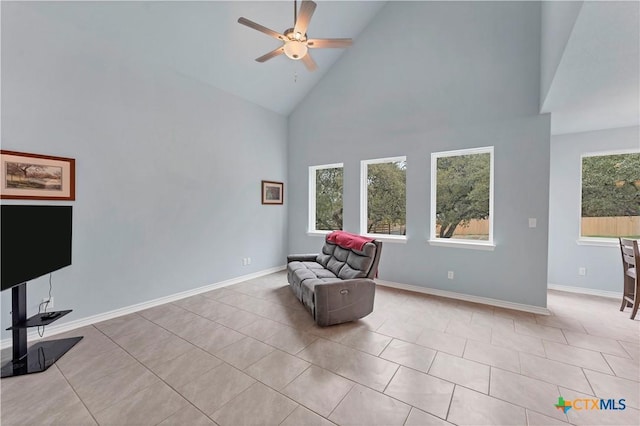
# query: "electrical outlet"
[582,271]
[450,275]
[533,222]
[49,306]
[244,261]
[248,261]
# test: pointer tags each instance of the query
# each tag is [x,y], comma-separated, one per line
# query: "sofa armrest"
[302,258]
[343,301]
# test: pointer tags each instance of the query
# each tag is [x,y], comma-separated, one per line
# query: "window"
[462,198]
[383,197]
[325,197]
[610,196]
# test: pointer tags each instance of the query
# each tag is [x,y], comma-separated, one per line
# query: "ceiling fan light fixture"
[295,49]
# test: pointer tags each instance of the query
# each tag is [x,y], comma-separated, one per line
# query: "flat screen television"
[36,240]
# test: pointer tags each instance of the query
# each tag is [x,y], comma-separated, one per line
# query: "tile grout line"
[408,415]
[354,384]
[560,393]
[391,380]
[450,402]
[160,378]
[608,364]
[247,389]
[385,348]
[465,346]
[490,380]
[285,385]
[77,395]
[593,392]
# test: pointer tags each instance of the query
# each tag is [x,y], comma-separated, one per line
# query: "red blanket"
[347,240]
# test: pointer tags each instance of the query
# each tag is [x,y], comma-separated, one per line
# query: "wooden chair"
[630,263]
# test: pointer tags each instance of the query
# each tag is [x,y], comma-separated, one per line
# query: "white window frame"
[311,230]
[596,241]
[364,213]
[434,240]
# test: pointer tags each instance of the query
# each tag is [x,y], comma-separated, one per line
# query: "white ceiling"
[597,83]
[202,40]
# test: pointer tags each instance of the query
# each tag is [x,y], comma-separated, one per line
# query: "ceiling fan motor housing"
[295,47]
[292,35]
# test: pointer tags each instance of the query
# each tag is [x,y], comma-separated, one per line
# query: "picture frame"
[25,176]
[272,192]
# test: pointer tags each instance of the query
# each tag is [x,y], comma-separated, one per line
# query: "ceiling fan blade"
[267,31]
[272,54]
[304,16]
[319,43]
[309,62]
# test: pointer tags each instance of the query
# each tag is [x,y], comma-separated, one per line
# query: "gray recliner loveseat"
[336,285]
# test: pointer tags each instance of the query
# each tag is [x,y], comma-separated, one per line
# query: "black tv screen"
[36,240]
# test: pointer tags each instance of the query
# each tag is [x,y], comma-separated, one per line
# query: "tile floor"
[249,354]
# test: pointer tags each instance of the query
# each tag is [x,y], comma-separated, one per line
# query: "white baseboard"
[82,322]
[467,297]
[583,290]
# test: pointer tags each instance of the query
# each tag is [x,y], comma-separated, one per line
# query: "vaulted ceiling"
[596,84]
[203,40]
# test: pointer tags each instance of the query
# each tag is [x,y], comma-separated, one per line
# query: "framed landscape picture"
[37,177]
[272,192]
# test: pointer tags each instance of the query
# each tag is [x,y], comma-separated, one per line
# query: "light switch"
[532,222]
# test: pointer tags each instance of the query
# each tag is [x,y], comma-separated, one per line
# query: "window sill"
[465,244]
[318,233]
[598,242]
[401,239]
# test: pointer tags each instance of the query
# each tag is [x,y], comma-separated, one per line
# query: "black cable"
[46,304]
[42,363]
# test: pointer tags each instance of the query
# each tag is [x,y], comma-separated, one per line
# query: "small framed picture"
[36,177]
[272,192]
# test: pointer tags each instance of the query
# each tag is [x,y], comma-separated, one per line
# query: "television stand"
[40,356]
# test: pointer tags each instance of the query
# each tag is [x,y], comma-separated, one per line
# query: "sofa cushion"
[334,265]
[294,266]
[327,252]
[313,265]
[324,273]
[302,271]
[347,273]
[341,254]
[357,266]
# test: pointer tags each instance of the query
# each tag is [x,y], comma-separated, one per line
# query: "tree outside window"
[384,186]
[463,198]
[610,196]
[325,197]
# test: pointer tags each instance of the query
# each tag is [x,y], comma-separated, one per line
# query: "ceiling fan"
[295,40]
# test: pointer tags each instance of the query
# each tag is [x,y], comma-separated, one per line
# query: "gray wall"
[168,170]
[604,270]
[558,19]
[425,77]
